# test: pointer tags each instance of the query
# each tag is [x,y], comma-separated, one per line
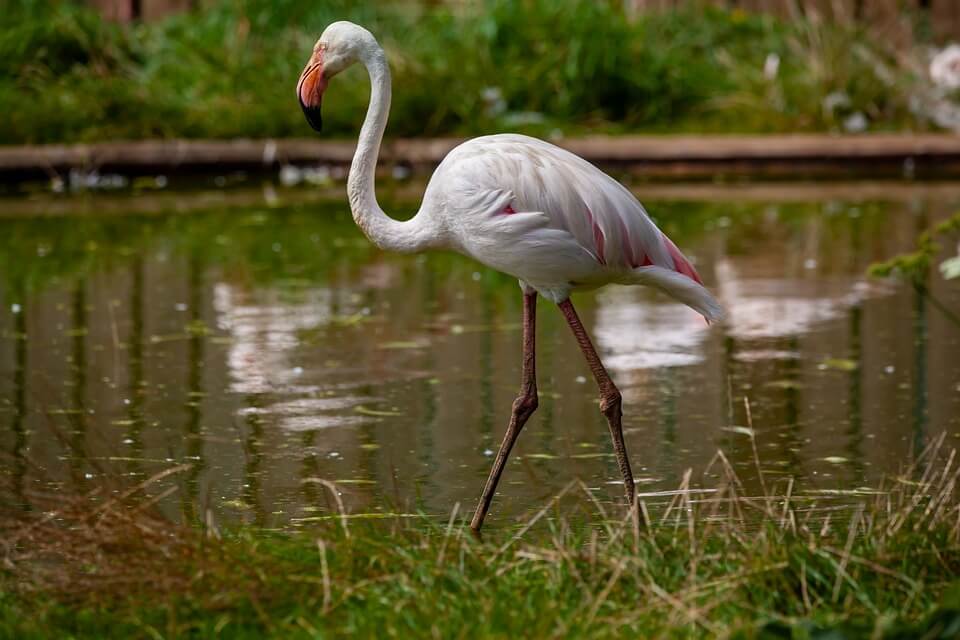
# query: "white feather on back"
[576,196]
[538,212]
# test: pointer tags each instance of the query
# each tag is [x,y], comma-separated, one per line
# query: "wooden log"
[114,10]
[677,156]
[945,19]
[156,9]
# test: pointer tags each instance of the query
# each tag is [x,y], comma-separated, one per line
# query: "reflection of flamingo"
[518,205]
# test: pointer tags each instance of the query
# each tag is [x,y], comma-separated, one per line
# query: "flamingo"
[518,205]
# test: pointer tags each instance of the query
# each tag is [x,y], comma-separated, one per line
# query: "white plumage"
[553,220]
[518,205]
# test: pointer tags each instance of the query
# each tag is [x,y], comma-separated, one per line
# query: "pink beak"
[310,90]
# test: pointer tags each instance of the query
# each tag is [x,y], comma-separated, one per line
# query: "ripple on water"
[758,355]
[318,422]
[302,406]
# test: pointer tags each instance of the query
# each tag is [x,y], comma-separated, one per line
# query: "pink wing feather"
[574,198]
[680,262]
[604,217]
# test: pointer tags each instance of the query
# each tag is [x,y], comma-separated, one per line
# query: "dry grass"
[81,547]
[703,561]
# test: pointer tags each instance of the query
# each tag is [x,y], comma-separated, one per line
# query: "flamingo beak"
[310,90]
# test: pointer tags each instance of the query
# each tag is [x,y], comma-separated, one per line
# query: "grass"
[536,66]
[709,562]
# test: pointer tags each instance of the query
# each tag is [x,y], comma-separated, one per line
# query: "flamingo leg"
[610,399]
[523,408]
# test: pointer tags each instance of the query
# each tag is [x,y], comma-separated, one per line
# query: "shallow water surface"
[267,346]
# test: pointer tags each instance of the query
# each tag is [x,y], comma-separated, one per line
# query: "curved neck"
[385,232]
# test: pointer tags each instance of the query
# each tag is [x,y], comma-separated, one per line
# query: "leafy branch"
[914,267]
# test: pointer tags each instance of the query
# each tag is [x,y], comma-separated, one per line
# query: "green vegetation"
[915,266]
[879,564]
[530,65]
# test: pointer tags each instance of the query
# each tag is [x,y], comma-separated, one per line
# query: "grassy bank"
[782,564]
[538,66]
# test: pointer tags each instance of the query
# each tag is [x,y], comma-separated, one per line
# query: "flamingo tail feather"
[681,287]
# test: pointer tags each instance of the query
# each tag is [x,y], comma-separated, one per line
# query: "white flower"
[945,68]
[835,100]
[856,122]
[950,268]
[771,66]
[493,101]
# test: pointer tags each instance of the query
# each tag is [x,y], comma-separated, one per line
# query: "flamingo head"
[340,45]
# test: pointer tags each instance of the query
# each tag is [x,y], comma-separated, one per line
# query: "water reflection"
[637,330]
[19,408]
[78,367]
[136,382]
[776,308]
[273,349]
[264,327]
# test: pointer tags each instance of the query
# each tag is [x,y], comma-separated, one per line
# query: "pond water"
[258,338]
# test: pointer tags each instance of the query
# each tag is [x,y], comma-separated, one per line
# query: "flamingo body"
[518,205]
[554,221]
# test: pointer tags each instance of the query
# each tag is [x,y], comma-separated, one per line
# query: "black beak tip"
[313,116]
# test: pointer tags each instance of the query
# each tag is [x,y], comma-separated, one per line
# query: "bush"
[536,66]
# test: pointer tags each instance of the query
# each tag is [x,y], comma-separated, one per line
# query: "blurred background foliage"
[547,68]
